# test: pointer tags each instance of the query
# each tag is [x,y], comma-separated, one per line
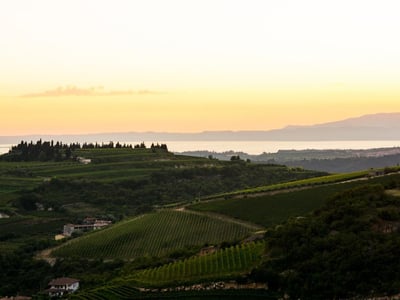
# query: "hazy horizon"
[73,67]
[287,126]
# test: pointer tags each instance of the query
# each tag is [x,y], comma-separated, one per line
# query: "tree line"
[348,248]
[59,151]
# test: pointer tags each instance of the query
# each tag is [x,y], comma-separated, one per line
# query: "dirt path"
[46,255]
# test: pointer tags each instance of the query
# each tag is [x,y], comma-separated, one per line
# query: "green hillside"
[155,234]
[150,245]
[317,180]
[117,183]
[222,264]
[127,292]
[275,208]
[139,169]
[347,249]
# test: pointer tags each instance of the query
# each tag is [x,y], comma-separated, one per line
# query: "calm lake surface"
[258,147]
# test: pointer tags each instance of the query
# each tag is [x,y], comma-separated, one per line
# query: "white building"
[62,286]
[83,160]
[92,225]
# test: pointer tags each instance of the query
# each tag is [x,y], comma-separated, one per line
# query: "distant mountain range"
[382,126]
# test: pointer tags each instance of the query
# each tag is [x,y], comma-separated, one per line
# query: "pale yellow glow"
[207,65]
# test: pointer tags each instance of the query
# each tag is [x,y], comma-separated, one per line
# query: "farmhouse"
[62,286]
[93,224]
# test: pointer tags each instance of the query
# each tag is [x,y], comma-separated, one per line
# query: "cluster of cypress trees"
[57,151]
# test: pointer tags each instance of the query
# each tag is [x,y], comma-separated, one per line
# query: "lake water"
[258,147]
[4,148]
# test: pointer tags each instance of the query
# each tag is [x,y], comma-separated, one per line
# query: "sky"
[73,66]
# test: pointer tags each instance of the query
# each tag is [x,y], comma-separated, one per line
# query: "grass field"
[154,234]
[269,210]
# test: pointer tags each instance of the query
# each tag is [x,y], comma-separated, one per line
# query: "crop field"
[125,291]
[119,183]
[270,210]
[297,183]
[17,176]
[103,156]
[122,164]
[106,163]
[223,263]
[154,234]
[109,292]
[12,183]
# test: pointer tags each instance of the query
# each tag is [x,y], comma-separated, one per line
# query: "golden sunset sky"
[83,66]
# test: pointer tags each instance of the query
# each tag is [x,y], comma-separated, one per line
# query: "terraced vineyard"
[154,234]
[221,264]
[125,291]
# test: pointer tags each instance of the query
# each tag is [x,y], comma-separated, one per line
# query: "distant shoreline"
[253,147]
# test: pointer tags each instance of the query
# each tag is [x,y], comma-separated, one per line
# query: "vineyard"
[225,263]
[115,164]
[297,183]
[221,264]
[154,234]
[270,210]
[124,291]
[119,183]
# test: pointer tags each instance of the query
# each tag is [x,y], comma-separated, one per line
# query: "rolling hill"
[171,206]
[118,183]
[273,208]
[155,235]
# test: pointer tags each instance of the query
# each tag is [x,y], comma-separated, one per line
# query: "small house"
[62,286]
